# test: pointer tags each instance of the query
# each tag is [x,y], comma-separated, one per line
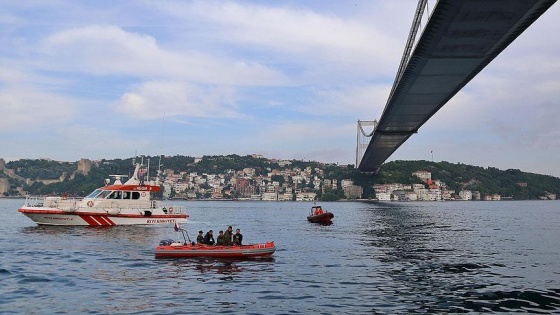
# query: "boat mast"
[158,171]
[148,172]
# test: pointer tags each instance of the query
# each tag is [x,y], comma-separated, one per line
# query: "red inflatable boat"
[176,250]
[318,215]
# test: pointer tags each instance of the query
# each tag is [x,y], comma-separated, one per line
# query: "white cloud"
[30,109]
[154,99]
[301,36]
[110,50]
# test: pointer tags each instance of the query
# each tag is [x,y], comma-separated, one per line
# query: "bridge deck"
[460,39]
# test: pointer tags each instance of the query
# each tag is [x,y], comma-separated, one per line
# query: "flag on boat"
[176,227]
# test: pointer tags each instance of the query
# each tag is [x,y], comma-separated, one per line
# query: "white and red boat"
[130,203]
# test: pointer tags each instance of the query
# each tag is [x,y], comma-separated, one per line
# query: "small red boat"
[186,250]
[318,215]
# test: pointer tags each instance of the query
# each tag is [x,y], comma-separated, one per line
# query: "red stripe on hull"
[104,220]
[89,220]
[98,220]
[109,221]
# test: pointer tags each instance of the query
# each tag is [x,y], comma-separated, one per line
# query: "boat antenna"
[158,171]
[185,231]
[148,171]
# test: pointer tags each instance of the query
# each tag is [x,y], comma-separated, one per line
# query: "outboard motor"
[166,242]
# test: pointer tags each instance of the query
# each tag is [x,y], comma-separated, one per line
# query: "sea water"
[376,258]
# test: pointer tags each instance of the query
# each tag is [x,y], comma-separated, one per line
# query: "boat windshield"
[104,194]
[117,194]
[94,193]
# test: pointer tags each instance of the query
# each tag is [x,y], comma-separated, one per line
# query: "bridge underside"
[460,39]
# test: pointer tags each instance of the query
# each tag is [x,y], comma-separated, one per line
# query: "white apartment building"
[269,196]
[305,196]
[447,194]
[317,183]
[327,184]
[283,163]
[334,184]
[180,187]
[465,195]
[411,196]
[423,194]
[353,191]
[346,182]
[383,196]
[435,194]
[285,197]
[399,195]
[249,171]
[494,197]
[423,175]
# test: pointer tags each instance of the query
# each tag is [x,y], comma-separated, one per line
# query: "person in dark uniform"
[200,238]
[220,239]
[227,236]
[209,238]
[237,237]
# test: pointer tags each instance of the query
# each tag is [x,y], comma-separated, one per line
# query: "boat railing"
[34,201]
[51,201]
[172,209]
[167,208]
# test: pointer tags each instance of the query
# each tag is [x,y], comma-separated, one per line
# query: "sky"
[285,79]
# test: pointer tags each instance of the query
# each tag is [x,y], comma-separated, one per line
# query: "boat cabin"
[315,210]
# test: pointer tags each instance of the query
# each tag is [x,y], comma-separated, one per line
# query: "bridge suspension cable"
[362,142]
[410,42]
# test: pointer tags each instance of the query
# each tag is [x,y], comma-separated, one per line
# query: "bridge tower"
[362,137]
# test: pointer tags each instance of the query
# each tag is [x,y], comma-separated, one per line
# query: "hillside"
[508,183]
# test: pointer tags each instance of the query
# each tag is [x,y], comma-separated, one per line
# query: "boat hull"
[178,250]
[92,218]
[325,217]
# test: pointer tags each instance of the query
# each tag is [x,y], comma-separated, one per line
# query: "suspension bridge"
[460,38]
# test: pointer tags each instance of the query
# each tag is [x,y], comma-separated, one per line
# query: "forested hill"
[507,183]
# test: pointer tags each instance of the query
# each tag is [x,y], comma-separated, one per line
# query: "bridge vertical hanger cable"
[409,43]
